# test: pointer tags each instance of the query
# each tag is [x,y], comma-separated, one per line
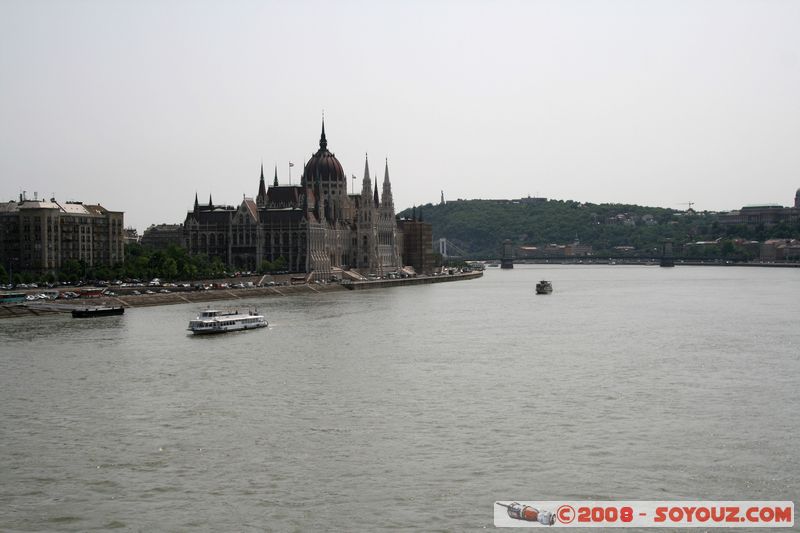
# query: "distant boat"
[544,287]
[214,321]
[89,312]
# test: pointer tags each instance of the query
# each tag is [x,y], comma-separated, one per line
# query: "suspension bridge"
[448,250]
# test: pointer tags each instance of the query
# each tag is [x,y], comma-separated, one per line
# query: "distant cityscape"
[318,229]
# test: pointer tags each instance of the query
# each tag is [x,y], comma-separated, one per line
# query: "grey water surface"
[408,408]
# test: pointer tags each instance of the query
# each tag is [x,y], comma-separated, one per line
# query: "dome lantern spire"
[323,142]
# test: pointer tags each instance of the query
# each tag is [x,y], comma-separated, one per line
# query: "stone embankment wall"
[383,283]
[44,307]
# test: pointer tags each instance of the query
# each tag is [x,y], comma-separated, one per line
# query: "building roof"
[762,206]
[283,215]
[70,208]
[8,207]
[283,195]
[217,216]
[251,207]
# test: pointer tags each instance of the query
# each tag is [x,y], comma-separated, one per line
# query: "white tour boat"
[214,321]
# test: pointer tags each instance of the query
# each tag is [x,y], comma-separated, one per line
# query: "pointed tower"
[365,228]
[196,203]
[375,196]
[366,184]
[261,198]
[210,203]
[388,202]
[275,181]
[388,245]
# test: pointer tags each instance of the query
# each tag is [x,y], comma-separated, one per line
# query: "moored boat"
[215,321]
[89,312]
[544,287]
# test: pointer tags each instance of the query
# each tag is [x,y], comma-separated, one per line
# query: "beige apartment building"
[41,235]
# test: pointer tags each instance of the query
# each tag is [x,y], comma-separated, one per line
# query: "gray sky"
[138,104]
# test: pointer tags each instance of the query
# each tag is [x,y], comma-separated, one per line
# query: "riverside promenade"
[47,307]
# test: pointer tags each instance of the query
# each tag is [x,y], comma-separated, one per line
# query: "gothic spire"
[262,188]
[375,197]
[366,184]
[387,187]
[275,181]
[210,203]
[323,142]
[196,203]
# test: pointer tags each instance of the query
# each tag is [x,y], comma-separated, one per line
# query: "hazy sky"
[137,105]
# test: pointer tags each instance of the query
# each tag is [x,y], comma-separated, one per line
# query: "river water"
[409,408]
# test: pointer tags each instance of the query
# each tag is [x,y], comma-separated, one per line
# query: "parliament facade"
[316,227]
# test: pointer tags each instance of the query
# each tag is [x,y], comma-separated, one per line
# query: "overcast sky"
[137,105]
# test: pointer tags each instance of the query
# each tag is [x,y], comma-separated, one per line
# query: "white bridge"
[448,250]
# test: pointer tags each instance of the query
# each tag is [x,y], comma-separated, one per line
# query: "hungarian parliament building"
[316,227]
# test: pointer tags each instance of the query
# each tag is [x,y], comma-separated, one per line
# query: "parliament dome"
[324,164]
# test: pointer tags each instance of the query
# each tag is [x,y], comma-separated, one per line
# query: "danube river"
[413,407]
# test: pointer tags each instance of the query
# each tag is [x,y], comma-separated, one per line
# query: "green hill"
[480,226]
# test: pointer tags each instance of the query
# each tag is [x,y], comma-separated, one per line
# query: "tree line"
[174,263]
